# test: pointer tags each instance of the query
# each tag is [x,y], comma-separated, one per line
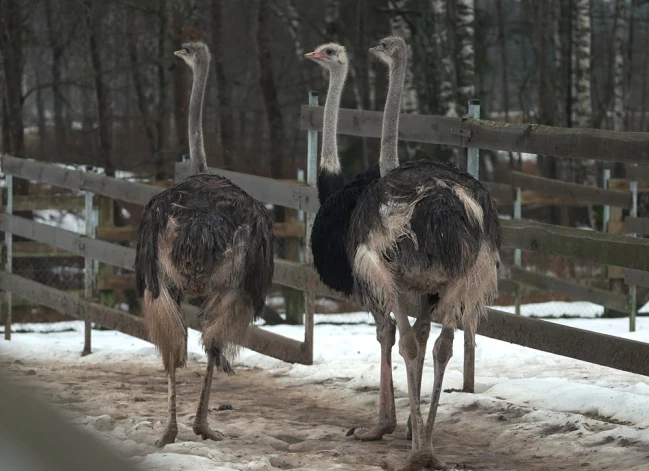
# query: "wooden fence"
[619,250]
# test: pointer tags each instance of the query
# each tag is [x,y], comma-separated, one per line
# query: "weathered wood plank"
[122,281]
[575,290]
[600,349]
[122,190]
[259,340]
[291,195]
[622,251]
[502,193]
[639,173]
[622,184]
[38,250]
[639,226]
[73,305]
[636,277]
[39,202]
[612,146]
[117,234]
[106,252]
[569,191]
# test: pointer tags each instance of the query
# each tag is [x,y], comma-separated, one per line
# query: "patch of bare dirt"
[272,423]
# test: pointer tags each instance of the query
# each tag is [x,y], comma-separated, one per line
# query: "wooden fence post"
[633,302]
[311,178]
[88,270]
[473,167]
[9,179]
[517,252]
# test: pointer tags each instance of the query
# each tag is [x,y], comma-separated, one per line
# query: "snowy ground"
[531,410]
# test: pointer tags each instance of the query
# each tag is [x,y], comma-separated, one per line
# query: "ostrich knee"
[443,349]
[408,345]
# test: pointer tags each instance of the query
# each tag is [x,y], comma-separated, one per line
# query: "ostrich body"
[202,237]
[331,226]
[429,228]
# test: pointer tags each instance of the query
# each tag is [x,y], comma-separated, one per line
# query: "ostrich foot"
[206,432]
[374,433]
[169,436]
[422,460]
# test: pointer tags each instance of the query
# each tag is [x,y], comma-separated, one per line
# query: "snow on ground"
[572,397]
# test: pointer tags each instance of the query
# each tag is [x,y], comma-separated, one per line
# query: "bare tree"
[269,93]
[57,46]
[502,41]
[93,16]
[139,86]
[583,101]
[619,31]
[11,45]
[181,100]
[224,90]
[399,27]
[447,96]
[465,53]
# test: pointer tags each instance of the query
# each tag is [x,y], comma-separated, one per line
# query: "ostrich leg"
[422,332]
[421,454]
[385,334]
[201,427]
[442,353]
[171,428]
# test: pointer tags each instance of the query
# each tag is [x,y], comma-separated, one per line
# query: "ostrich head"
[194,53]
[331,56]
[390,49]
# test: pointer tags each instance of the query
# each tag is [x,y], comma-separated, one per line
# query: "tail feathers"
[166,328]
[235,256]
[373,280]
[225,325]
[222,363]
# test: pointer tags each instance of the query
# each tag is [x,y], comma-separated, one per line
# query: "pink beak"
[314,55]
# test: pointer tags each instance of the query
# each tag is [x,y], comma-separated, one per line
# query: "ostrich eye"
[383,45]
[329,51]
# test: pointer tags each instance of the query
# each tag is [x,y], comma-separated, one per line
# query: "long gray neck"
[329,161]
[196,146]
[389,157]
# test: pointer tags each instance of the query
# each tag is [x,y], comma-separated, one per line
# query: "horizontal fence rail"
[552,284]
[593,347]
[609,249]
[573,192]
[291,195]
[611,146]
[131,192]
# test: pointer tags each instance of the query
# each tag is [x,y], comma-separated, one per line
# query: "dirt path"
[275,424]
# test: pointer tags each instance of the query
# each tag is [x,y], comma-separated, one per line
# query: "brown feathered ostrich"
[429,228]
[202,237]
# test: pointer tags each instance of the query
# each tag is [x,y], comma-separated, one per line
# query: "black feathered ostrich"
[202,237]
[331,225]
[429,228]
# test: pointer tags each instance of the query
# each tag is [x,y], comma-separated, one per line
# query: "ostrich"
[202,237]
[331,224]
[429,228]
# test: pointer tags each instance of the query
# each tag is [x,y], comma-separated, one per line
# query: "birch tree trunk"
[447,95]
[583,105]
[332,26]
[465,54]
[619,30]
[410,102]
[57,47]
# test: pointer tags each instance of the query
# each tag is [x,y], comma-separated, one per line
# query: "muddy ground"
[277,424]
